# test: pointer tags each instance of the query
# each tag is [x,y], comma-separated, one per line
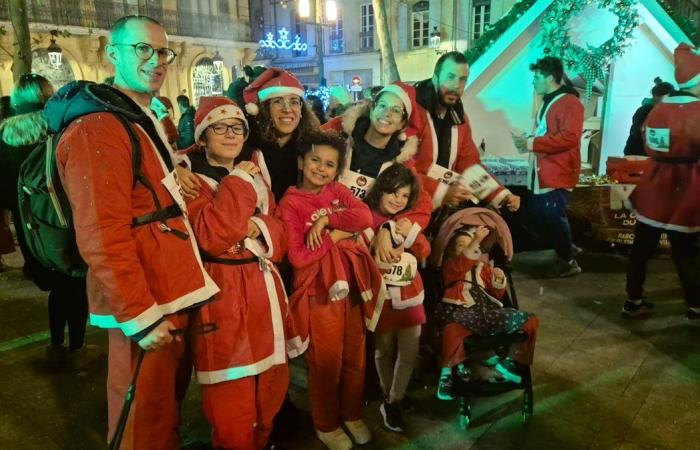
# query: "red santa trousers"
[155,412]
[453,343]
[336,360]
[241,411]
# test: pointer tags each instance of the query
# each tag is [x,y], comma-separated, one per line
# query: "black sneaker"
[568,269]
[692,314]
[445,390]
[632,309]
[393,419]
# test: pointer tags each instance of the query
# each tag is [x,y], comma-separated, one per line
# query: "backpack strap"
[160,214]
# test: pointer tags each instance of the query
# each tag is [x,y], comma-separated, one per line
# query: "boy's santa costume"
[242,365]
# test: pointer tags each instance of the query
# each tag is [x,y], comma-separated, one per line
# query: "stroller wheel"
[464,422]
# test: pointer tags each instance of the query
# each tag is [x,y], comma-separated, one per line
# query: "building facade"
[197,30]
[350,46]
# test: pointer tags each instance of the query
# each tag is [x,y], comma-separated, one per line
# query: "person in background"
[314,102]
[68,303]
[338,101]
[666,197]
[635,141]
[162,107]
[7,242]
[555,163]
[185,127]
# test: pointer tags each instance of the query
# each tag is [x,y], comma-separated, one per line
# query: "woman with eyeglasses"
[377,138]
[242,365]
[282,119]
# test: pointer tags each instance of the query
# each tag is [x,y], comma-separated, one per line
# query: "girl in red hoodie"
[338,291]
[395,191]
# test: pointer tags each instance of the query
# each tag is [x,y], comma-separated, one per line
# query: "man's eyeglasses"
[281,103]
[395,110]
[145,51]
[222,128]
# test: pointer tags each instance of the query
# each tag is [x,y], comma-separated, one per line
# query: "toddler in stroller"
[473,247]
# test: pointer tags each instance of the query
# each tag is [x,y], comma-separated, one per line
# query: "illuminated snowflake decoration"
[283,42]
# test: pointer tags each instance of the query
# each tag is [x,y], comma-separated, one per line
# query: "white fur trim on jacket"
[355,113]
[412,235]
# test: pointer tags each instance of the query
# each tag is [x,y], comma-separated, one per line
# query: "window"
[299,30]
[367,27]
[337,44]
[482,17]
[223,7]
[420,19]
[206,80]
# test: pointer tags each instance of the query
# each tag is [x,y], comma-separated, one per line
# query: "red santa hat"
[274,82]
[214,109]
[401,90]
[687,62]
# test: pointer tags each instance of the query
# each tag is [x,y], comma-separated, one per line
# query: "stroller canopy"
[500,234]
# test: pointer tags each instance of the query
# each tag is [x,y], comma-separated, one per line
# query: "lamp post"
[304,11]
[54,51]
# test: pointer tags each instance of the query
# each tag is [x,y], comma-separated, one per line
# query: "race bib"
[442,175]
[479,182]
[658,139]
[357,183]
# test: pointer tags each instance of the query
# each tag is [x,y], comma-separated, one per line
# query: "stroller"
[499,246]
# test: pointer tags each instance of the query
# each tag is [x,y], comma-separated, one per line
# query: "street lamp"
[435,38]
[218,61]
[54,51]
[331,11]
[304,11]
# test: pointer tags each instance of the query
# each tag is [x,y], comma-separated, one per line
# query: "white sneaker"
[335,440]
[359,432]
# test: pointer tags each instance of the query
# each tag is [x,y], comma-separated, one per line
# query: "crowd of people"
[251,233]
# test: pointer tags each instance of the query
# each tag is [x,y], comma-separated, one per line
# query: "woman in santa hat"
[376,138]
[242,363]
[281,117]
[666,198]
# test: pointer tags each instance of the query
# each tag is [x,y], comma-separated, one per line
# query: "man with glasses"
[446,147]
[144,267]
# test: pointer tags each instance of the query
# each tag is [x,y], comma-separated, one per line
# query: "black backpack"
[45,212]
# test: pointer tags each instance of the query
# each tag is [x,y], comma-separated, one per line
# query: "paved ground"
[601,382]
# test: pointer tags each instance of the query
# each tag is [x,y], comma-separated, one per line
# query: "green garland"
[592,63]
[493,32]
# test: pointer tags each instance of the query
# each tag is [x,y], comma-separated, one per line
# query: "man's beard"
[441,99]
